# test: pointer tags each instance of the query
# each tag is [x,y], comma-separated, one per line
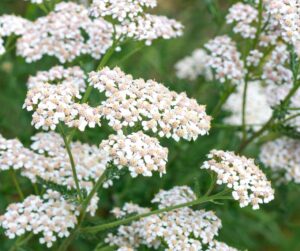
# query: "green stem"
[226,94]
[72,162]
[291,117]
[270,121]
[66,243]
[16,183]
[96,229]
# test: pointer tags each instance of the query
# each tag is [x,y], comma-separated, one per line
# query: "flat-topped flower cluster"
[72,30]
[180,229]
[248,182]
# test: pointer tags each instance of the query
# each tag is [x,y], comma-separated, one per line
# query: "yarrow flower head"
[50,216]
[48,160]
[153,105]
[59,34]
[191,67]
[286,14]
[225,60]
[279,79]
[11,25]
[133,22]
[58,102]
[249,183]
[243,16]
[283,154]
[139,152]
[180,229]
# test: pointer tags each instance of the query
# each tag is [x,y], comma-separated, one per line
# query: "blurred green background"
[274,227]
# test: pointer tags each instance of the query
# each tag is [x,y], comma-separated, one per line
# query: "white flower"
[59,34]
[180,229]
[194,66]
[243,16]
[158,109]
[224,60]
[283,154]
[248,182]
[50,216]
[137,151]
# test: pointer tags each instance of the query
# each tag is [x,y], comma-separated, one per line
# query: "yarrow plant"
[137,124]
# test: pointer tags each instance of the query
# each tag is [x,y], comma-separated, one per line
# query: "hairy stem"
[72,162]
[16,183]
[96,229]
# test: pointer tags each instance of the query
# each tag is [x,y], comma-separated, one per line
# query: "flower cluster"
[49,161]
[243,15]
[11,25]
[225,60]
[133,22]
[55,103]
[137,151]
[194,66]
[58,74]
[249,183]
[286,14]
[258,110]
[254,57]
[175,196]
[283,154]
[279,79]
[50,215]
[60,34]
[157,108]
[181,229]
[127,209]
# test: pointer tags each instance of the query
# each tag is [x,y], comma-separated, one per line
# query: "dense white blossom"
[283,154]
[258,111]
[225,60]
[159,110]
[54,95]
[254,57]
[133,22]
[248,182]
[11,25]
[286,14]
[194,66]
[50,216]
[243,16]
[279,79]
[137,151]
[48,160]
[60,34]
[180,229]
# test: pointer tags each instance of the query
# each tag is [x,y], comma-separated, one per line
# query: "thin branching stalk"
[72,162]
[66,243]
[16,183]
[270,121]
[226,94]
[96,229]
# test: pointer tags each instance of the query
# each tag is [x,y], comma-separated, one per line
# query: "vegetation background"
[274,227]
